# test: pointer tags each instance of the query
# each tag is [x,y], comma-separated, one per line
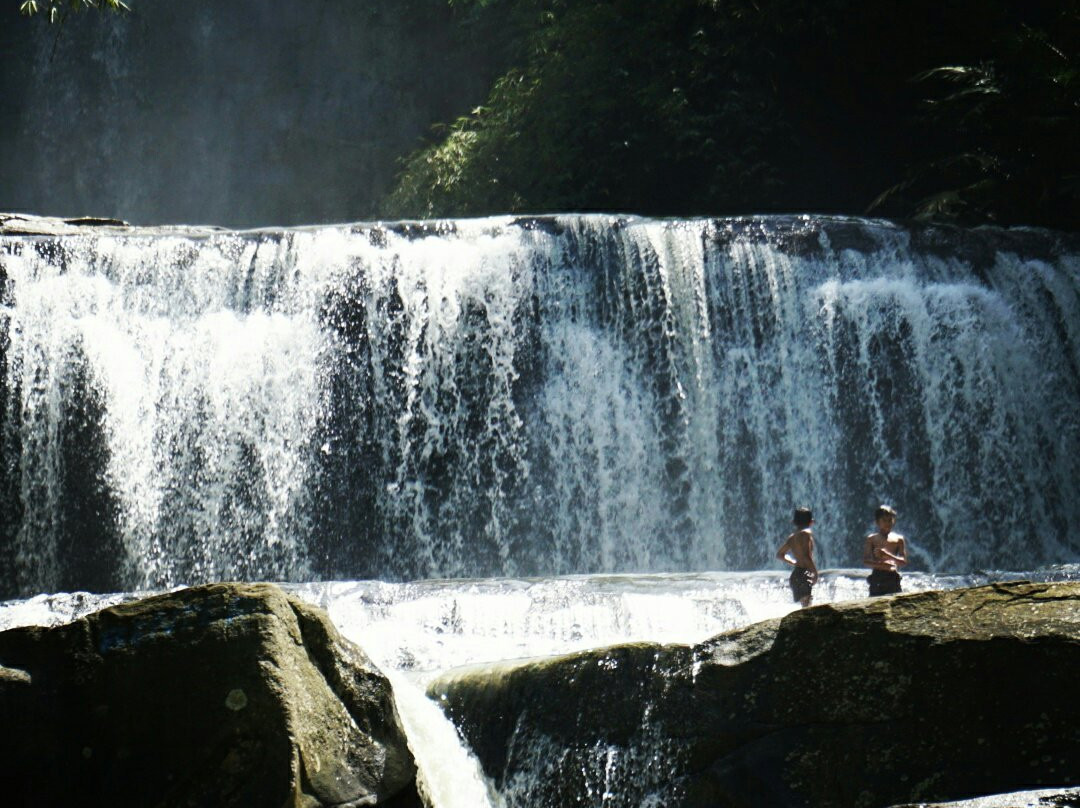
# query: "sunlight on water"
[499,397]
[429,626]
[448,776]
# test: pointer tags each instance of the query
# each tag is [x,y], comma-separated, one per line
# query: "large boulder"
[219,695]
[931,696]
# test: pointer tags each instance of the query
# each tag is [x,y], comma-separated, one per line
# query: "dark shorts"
[800,583]
[883,582]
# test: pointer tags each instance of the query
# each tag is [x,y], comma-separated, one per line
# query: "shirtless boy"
[885,552]
[798,551]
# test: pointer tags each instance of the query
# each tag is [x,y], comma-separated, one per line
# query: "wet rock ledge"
[220,695]
[26,224]
[925,697]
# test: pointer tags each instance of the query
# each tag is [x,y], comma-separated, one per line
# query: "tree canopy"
[967,110]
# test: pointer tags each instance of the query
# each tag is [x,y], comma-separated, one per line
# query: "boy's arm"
[868,558]
[881,558]
[811,563]
[782,553]
[900,556]
[874,557]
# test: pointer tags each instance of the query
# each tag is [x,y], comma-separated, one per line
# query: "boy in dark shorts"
[884,552]
[798,551]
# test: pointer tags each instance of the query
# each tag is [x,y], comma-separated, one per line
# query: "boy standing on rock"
[798,551]
[884,552]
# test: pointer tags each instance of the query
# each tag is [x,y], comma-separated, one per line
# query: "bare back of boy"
[798,551]
[800,546]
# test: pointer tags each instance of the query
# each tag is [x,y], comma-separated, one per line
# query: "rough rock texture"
[932,696]
[1042,798]
[220,695]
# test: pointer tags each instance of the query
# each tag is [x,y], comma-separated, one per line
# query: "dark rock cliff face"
[222,695]
[931,696]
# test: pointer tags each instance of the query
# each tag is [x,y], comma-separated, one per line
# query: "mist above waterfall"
[519,397]
[240,114]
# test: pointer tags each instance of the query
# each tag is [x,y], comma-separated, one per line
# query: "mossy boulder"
[931,696]
[219,695]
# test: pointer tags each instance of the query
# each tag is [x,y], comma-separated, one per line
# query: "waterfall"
[530,397]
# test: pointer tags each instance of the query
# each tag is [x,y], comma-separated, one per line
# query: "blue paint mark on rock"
[194,618]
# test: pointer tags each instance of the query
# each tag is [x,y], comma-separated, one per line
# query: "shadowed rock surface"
[1042,798]
[220,695]
[932,696]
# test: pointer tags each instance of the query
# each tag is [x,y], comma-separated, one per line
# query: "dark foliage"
[965,110]
[1009,149]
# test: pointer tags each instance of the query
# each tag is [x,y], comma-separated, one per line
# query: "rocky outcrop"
[931,696]
[220,695]
[26,224]
[1041,798]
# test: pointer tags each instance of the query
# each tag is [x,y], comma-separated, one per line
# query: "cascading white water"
[498,396]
